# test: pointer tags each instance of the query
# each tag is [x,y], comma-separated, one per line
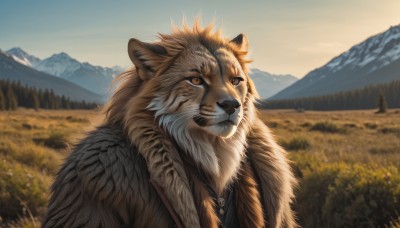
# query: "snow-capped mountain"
[374,61]
[61,65]
[268,84]
[22,57]
[98,79]
[13,70]
[94,78]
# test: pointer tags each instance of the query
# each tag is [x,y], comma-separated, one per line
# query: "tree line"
[13,95]
[368,97]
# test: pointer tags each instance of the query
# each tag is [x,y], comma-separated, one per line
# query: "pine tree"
[356,99]
[34,100]
[2,100]
[11,101]
[65,103]
[13,95]
[46,100]
[52,100]
[382,104]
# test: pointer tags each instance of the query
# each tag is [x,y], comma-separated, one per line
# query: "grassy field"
[347,164]
[330,151]
[347,136]
[33,144]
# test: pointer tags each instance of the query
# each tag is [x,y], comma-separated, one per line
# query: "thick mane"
[129,83]
[127,86]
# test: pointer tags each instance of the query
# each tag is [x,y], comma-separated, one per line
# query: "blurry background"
[328,74]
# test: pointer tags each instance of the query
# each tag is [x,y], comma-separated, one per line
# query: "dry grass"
[349,174]
[32,147]
[361,136]
[34,143]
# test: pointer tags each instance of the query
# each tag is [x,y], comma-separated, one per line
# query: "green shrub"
[371,125]
[27,153]
[346,195]
[306,124]
[22,190]
[328,127]
[303,162]
[363,197]
[297,143]
[272,124]
[311,195]
[55,141]
[351,125]
[390,130]
[77,119]
[384,150]
[27,126]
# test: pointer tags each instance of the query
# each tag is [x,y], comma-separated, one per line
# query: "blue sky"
[285,36]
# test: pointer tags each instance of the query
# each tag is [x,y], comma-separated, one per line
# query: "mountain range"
[94,78]
[97,79]
[15,71]
[373,61]
[269,84]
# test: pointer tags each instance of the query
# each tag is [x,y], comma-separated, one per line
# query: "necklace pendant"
[221,211]
[221,202]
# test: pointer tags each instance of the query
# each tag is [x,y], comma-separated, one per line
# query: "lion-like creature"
[181,145]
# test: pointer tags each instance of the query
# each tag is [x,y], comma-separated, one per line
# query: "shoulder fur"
[102,175]
[275,175]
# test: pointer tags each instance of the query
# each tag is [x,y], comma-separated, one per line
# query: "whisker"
[209,115]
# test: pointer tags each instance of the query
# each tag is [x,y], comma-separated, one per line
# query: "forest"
[14,94]
[365,98]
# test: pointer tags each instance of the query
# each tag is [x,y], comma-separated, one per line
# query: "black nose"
[229,105]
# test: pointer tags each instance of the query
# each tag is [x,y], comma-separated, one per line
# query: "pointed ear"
[146,57]
[241,42]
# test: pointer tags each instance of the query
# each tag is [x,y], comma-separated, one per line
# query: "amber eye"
[236,81]
[196,80]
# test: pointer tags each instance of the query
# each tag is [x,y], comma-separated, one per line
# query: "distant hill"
[268,84]
[363,98]
[374,61]
[13,70]
[94,78]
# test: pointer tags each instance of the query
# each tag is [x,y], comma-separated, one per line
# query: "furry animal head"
[195,86]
